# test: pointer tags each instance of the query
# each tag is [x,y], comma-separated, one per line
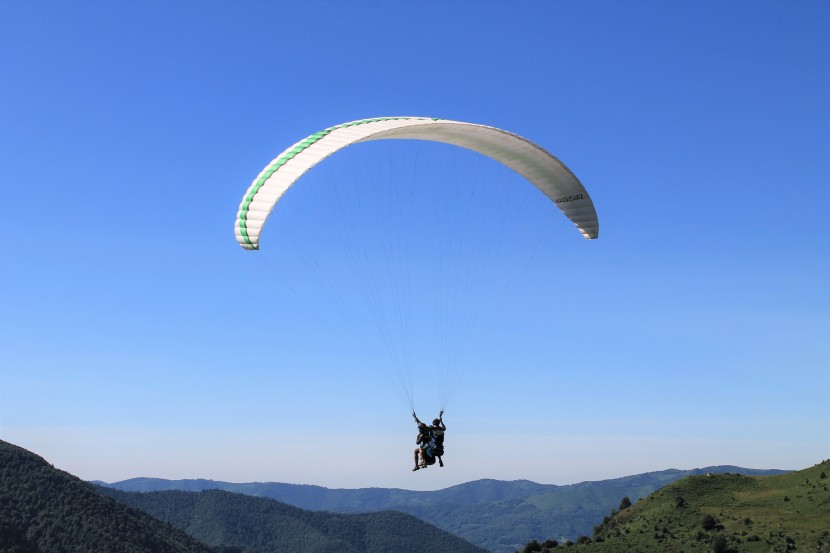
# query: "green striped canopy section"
[531,161]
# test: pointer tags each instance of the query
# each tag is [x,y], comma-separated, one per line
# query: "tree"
[625,503]
[532,546]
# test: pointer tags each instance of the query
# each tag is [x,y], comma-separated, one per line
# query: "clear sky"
[138,339]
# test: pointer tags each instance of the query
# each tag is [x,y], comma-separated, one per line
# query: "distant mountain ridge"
[319,498]
[498,515]
[223,518]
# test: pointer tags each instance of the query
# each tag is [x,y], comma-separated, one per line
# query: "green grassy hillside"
[724,513]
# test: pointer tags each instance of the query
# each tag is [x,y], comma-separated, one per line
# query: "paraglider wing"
[531,161]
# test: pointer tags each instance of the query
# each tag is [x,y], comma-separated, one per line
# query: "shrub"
[625,503]
[550,544]
[709,522]
[719,544]
[532,546]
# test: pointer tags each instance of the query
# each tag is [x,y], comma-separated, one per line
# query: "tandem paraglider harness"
[430,444]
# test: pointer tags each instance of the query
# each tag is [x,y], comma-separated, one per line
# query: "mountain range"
[45,510]
[716,509]
[497,515]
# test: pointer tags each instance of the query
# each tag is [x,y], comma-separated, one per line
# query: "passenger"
[424,449]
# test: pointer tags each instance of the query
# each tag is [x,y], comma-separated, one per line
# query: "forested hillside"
[46,510]
[217,517]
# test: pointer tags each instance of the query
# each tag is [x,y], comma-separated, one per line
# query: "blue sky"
[137,338]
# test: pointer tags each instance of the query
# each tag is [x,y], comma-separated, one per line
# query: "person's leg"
[416,458]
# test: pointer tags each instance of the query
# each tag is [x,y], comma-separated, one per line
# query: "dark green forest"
[46,510]
[13,539]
